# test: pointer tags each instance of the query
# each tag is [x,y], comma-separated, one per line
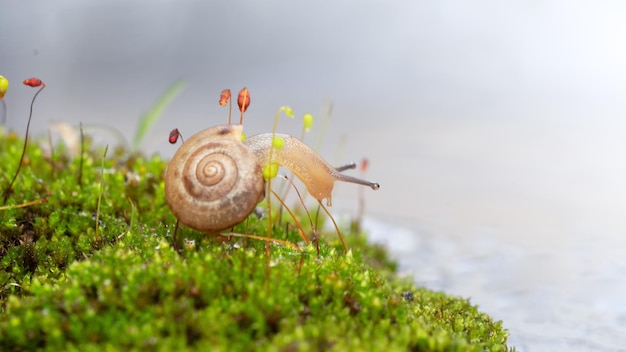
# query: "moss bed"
[66,286]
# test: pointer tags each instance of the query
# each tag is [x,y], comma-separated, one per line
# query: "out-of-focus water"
[573,301]
[496,129]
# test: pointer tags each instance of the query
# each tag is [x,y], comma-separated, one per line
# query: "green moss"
[61,288]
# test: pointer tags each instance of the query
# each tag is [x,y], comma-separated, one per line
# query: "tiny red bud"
[364,164]
[174,136]
[224,97]
[33,82]
[243,100]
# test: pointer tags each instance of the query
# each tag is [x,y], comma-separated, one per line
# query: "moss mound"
[66,286]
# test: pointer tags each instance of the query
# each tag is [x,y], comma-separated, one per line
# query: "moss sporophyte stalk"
[95,267]
[32,82]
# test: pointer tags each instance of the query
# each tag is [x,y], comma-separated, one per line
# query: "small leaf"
[308,122]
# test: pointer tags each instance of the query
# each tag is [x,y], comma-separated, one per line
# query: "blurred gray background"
[496,129]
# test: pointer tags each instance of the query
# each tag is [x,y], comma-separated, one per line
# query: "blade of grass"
[98,237]
[150,118]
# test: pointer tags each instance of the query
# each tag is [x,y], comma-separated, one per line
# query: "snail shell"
[214,181]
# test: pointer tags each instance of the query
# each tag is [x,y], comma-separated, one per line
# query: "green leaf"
[149,119]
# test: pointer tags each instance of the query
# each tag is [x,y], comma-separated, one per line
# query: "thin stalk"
[174,238]
[4,112]
[300,228]
[230,110]
[82,157]
[98,237]
[343,244]
[7,192]
[52,166]
[269,179]
[267,239]
[23,205]
[313,228]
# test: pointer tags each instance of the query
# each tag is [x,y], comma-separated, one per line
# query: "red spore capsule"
[174,136]
[224,97]
[33,82]
[364,164]
[243,100]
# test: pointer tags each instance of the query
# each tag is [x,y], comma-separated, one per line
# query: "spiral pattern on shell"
[214,181]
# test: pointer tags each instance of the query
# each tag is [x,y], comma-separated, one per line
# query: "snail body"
[317,175]
[215,180]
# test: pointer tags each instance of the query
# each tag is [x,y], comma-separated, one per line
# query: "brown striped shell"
[214,181]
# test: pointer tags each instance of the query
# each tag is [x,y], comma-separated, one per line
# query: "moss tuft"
[62,288]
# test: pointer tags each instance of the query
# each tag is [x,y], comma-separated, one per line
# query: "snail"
[214,180]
